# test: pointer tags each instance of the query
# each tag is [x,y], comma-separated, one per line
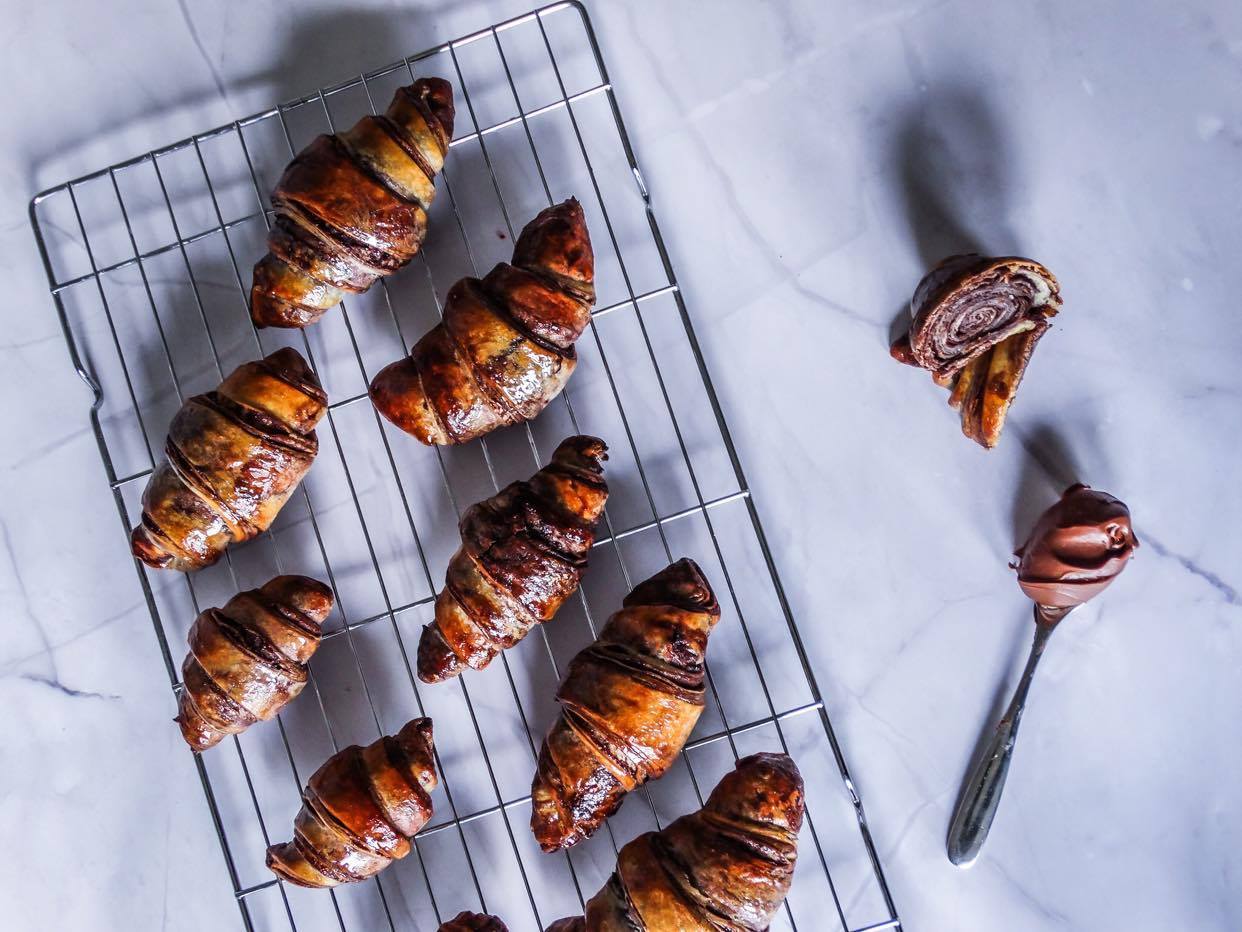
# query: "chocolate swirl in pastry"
[473,922]
[233,458]
[628,703]
[976,321]
[359,810]
[1076,549]
[248,659]
[506,345]
[522,555]
[352,207]
[725,868]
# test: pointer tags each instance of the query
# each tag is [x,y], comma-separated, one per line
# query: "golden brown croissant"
[628,703]
[976,321]
[506,345]
[522,554]
[474,922]
[233,458]
[725,868]
[360,809]
[352,207]
[248,659]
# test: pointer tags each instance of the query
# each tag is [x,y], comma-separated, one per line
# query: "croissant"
[474,922]
[522,554]
[975,325]
[359,810]
[352,207]
[628,703]
[506,345]
[233,458]
[725,868]
[248,659]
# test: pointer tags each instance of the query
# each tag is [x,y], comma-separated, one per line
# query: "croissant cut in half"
[360,809]
[232,459]
[248,659]
[726,868]
[975,324]
[352,207]
[505,347]
[628,703]
[473,922]
[522,555]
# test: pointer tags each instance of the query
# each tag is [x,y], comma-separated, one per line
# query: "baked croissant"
[506,345]
[522,554]
[248,659]
[725,868]
[352,207]
[628,703]
[233,458]
[474,922]
[976,321]
[359,810]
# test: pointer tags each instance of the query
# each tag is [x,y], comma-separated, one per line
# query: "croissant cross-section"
[352,207]
[628,703]
[360,809]
[726,868]
[248,659]
[522,555]
[975,324]
[505,347]
[232,459]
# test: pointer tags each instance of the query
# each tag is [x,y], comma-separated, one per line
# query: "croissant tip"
[438,94]
[435,661]
[269,310]
[685,570]
[680,583]
[900,350]
[584,451]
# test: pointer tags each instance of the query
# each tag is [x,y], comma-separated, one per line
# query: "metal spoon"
[982,792]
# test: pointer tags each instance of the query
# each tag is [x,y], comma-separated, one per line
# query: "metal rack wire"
[538,119]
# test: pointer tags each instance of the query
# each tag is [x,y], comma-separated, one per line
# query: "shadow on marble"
[951,163]
[1049,467]
[321,48]
[359,40]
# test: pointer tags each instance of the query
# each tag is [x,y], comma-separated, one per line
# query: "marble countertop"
[808,162]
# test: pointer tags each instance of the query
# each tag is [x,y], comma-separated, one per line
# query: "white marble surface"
[808,160]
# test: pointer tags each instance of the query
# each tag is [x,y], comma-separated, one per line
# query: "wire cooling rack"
[148,266]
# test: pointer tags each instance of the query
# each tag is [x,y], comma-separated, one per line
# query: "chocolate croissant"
[359,810]
[628,703]
[975,324]
[474,922]
[233,458]
[506,345]
[352,207]
[725,868]
[248,659]
[522,554]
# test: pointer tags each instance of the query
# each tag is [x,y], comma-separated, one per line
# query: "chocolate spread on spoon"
[1077,547]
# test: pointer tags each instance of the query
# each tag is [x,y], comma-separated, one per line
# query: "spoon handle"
[981,795]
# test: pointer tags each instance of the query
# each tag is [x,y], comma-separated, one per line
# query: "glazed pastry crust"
[249,659]
[523,553]
[359,810]
[628,704]
[352,207]
[726,868]
[505,347]
[233,458]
